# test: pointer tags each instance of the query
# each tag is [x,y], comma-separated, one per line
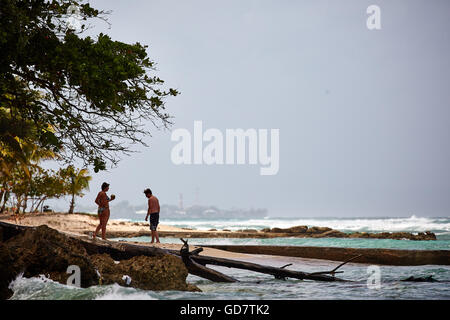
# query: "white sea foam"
[116,292]
[410,224]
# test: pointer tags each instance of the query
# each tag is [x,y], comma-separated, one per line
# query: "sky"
[363,115]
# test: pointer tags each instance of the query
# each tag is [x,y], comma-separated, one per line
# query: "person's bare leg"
[104,231]
[97,230]
[157,237]
[98,227]
[153,237]
[104,223]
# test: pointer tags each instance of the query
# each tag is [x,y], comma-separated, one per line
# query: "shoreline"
[84,224]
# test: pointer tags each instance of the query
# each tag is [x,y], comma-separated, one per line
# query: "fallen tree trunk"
[278,273]
[200,269]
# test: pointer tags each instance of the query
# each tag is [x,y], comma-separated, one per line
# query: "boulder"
[297,229]
[46,251]
[149,273]
[43,250]
[250,230]
[7,272]
[331,234]
[317,230]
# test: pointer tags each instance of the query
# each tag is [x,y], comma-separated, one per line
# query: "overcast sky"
[364,115]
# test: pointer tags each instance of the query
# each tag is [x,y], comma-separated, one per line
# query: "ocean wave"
[43,288]
[117,292]
[410,224]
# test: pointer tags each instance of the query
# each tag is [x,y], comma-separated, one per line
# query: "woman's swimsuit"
[101,209]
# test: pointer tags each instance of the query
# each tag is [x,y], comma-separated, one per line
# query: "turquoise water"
[257,286]
[440,226]
[313,242]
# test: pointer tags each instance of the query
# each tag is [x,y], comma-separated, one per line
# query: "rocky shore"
[86,224]
[45,251]
[297,232]
[324,232]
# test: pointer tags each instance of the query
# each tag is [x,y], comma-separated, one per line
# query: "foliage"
[76,180]
[77,96]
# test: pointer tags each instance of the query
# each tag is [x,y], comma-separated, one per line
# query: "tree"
[19,163]
[88,98]
[77,180]
[47,184]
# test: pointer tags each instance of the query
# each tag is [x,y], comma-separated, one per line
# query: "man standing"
[153,211]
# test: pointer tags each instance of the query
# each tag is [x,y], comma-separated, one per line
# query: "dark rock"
[332,234]
[250,230]
[297,229]
[43,250]
[420,279]
[7,272]
[149,273]
[46,251]
[316,230]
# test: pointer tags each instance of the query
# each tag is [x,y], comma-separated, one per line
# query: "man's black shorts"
[154,221]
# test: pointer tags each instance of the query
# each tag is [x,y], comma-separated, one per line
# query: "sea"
[367,281]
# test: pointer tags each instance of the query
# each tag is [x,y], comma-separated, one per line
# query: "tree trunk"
[1,198]
[40,203]
[278,273]
[72,204]
[5,199]
[25,204]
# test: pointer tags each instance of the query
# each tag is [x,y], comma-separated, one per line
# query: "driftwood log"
[279,273]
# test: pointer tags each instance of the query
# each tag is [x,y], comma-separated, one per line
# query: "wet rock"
[250,230]
[297,229]
[317,230]
[324,232]
[43,250]
[46,251]
[420,279]
[149,273]
[7,272]
[331,234]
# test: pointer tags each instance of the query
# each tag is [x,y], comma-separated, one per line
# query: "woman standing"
[102,201]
